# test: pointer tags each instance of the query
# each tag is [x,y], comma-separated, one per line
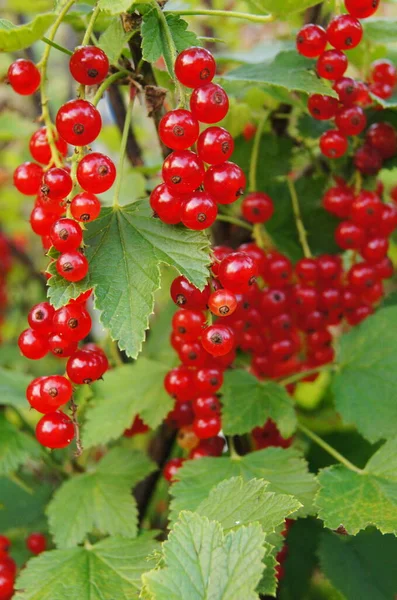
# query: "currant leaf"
[113,39]
[15,447]
[17,37]
[13,385]
[280,8]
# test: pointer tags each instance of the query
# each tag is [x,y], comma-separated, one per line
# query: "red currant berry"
[195,67]
[57,184]
[183,171]
[96,173]
[32,345]
[188,324]
[24,77]
[5,543]
[215,145]
[368,160]
[359,314]
[60,346]
[304,298]
[219,253]
[41,221]
[366,209]
[333,144]
[85,207]
[384,268]
[40,148]
[78,122]
[207,427]
[278,270]
[306,270]
[171,468]
[361,9]
[178,383]
[206,406]
[383,71]
[222,303]
[362,277]
[8,567]
[225,182]
[209,103]
[257,207]
[192,354]
[274,302]
[72,265]
[34,396]
[73,322]
[382,90]
[329,268]
[382,137]
[56,207]
[218,340]
[166,205]
[208,380]
[6,586]
[199,211]
[187,295]
[249,131]
[375,250]
[40,317]
[237,272]
[27,178]
[137,427]
[84,366]
[332,64]
[311,40]
[388,222]
[351,120]
[55,391]
[347,90]
[257,254]
[363,97]
[344,32]
[66,235]
[178,129]
[89,65]
[349,236]
[338,201]
[55,430]
[322,107]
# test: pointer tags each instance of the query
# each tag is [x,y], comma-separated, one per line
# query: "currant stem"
[123,148]
[252,183]
[73,409]
[299,376]
[90,26]
[57,46]
[298,219]
[224,13]
[234,221]
[331,451]
[107,83]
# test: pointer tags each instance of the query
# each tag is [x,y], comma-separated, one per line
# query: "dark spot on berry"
[182,330]
[178,131]
[348,41]
[78,128]
[224,310]
[214,381]
[301,39]
[252,281]
[92,73]
[103,170]
[45,190]
[180,300]
[317,111]
[39,315]
[63,234]
[216,338]
[225,147]
[240,192]
[67,267]
[87,380]
[73,323]
[204,73]
[53,392]
[192,355]
[217,98]
[85,217]
[201,217]
[329,68]
[176,179]
[58,351]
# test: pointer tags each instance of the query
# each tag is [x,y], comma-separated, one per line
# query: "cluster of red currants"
[191,193]
[5,266]
[345,32]
[35,543]
[78,123]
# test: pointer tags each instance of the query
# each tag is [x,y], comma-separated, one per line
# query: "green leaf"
[356,500]
[248,402]
[201,562]
[284,469]
[100,499]
[115,7]
[365,386]
[20,508]
[125,247]
[17,37]
[270,165]
[380,31]
[14,126]
[13,386]
[362,566]
[15,447]
[113,39]
[126,392]
[287,70]
[110,569]
[268,583]
[235,502]
[284,8]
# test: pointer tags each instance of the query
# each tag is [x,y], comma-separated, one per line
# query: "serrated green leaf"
[126,392]
[284,8]
[110,569]
[235,502]
[183,38]
[356,500]
[365,386]
[201,562]
[17,37]
[125,247]
[248,402]
[115,7]
[99,499]
[113,40]
[268,583]
[284,469]
[13,386]
[15,447]
[363,566]
[287,70]
[380,31]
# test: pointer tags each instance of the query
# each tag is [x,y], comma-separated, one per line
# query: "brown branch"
[75,421]
[134,151]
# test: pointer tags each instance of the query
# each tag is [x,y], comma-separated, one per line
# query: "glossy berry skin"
[382,90]
[366,209]
[207,427]
[306,270]
[332,64]
[178,383]
[257,254]
[338,201]
[199,211]
[361,9]
[32,345]
[188,324]
[178,129]
[8,567]
[194,67]
[349,236]
[55,430]
[225,182]
[351,120]
[89,65]
[24,77]
[222,303]
[322,107]
[34,396]
[73,322]
[368,160]
[311,40]
[66,235]
[218,340]
[347,90]
[84,366]
[383,137]
[40,149]
[55,391]
[362,277]
[215,145]
[166,205]
[171,468]
[375,250]
[40,317]
[237,271]
[6,586]
[344,32]
[183,171]
[333,144]
[36,543]
[208,380]
[383,71]
[186,295]
[27,178]
[96,173]
[72,265]
[57,183]
[257,207]
[41,221]
[85,207]
[209,103]
[61,346]
[78,122]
